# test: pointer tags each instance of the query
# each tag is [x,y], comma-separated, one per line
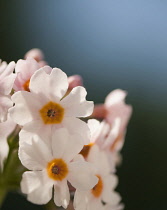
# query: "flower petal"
[27,105]
[37,186]
[76,104]
[53,85]
[75,125]
[114,97]
[61,194]
[81,175]
[35,155]
[65,145]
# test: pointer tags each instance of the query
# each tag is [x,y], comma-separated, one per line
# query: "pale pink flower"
[25,69]
[116,113]
[6,129]
[46,108]
[54,167]
[103,191]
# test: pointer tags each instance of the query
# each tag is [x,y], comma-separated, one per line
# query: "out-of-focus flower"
[36,54]
[54,167]
[6,129]
[103,191]
[74,81]
[45,108]
[116,115]
[7,78]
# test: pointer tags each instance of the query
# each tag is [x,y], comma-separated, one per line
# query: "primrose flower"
[103,191]
[6,83]
[25,69]
[45,108]
[54,167]
[116,114]
[6,129]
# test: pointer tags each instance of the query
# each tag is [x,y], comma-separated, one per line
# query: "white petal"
[75,125]
[53,85]
[37,186]
[65,145]
[81,198]
[81,175]
[5,104]
[36,127]
[76,105]
[114,97]
[110,182]
[36,155]
[61,194]
[26,107]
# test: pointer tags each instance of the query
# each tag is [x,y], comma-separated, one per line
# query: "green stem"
[3,193]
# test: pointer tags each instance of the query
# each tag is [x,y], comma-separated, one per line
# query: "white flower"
[54,168]
[46,108]
[103,190]
[6,83]
[24,69]
[5,129]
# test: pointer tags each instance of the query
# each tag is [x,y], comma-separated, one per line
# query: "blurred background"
[111,44]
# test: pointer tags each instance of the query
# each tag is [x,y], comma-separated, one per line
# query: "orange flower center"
[98,188]
[26,85]
[57,169]
[52,113]
[86,149]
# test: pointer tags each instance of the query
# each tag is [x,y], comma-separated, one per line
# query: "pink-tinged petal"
[115,97]
[53,85]
[76,105]
[82,175]
[7,79]
[121,111]
[26,107]
[75,125]
[99,111]
[32,128]
[61,194]
[65,145]
[35,155]
[38,187]
[74,81]
[35,53]
[27,67]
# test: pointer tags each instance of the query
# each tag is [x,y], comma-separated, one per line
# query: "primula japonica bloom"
[45,108]
[117,114]
[102,135]
[25,69]
[6,129]
[103,191]
[54,166]
[6,83]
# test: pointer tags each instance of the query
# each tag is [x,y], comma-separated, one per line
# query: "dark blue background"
[111,44]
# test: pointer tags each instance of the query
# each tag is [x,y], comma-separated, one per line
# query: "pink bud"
[74,81]
[35,53]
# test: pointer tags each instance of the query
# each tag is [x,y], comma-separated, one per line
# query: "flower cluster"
[67,157]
